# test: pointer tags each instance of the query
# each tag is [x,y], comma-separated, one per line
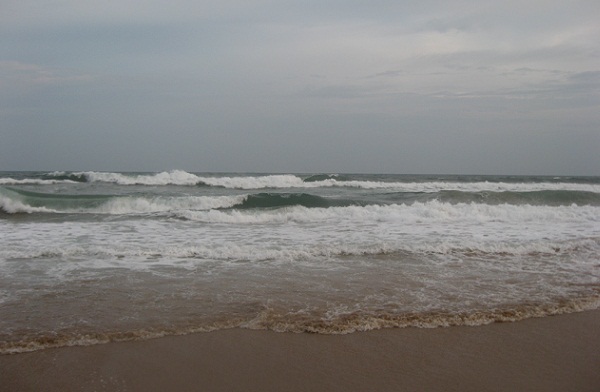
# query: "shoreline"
[554,353]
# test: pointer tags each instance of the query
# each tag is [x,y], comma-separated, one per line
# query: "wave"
[323,177]
[183,178]
[180,177]
[74,177]
[540,197]
[176,177]
[533,198]
[32,181]
[357,321]
[265,208]
[417,213]
[13,201]
[334,322]
[302,253]
[20,201]
[276,200]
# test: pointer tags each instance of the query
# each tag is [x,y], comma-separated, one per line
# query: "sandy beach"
[559,353]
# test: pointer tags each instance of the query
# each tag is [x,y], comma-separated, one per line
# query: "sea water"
[93,257]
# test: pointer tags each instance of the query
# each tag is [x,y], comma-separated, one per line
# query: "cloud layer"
[491,87]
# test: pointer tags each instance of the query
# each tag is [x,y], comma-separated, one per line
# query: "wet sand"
[559,353]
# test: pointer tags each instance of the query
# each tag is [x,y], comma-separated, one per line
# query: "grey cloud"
[340,91]
[589,78]
[356,86]
[386,74]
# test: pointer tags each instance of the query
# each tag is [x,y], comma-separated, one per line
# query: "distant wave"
[539,197]
[66,176]
[32,181]
[323,177]
[175,177]
[183,178]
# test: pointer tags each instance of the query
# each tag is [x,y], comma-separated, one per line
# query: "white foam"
[436,186]
[288,241]
[180,177]
[416,213]
[175,177]
[261,182]
[12,206]
[136,205]
[33,181]
[13,202]
[299,232]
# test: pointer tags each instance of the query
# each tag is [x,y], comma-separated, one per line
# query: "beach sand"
[559,353]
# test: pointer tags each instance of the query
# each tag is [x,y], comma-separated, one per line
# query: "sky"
[328,86]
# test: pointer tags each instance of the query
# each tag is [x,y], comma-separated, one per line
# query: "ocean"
[94,257]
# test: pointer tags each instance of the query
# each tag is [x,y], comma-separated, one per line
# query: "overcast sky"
[428,86]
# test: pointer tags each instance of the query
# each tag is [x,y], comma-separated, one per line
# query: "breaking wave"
[228,251]
[293,206]
[183,178]
[14,201]
[416,213]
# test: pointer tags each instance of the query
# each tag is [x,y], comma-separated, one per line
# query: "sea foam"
[183,178]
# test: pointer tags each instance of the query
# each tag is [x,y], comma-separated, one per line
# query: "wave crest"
[278,181]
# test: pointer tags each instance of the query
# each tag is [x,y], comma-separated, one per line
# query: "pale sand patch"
[559,353]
